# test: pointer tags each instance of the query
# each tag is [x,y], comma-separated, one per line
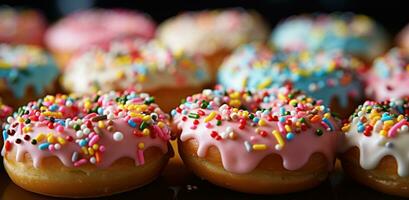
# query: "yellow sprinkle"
[346,128]
[40,137]
[95,146]
[141,145]
[245,113]
[120,74]
[141,78]
[287,128]
[146,118]
[244,82]
[383,132]
[161,124]
[61,140]
[84,150]
[261,122]
[235,103]
[101,124]
[259,146]
[327,115]
[400,117]
[388,123]
[211,116]
[278,137]
[264,84]
[91,151]
[146,132]
[50,139]
[234,95]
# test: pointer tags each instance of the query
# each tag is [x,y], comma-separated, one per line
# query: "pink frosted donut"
[388,78]
[86,146]
[21,26]
[87,27]
[269,141]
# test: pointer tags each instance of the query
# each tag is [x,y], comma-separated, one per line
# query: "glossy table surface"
[178,183]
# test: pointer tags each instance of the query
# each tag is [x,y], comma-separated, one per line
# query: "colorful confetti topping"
[246,126]
[96,129]
[323,75]
[133,64]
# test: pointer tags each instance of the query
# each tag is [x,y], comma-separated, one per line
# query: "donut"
[354,34]
[21,26]
[388,76]
[374,149]
[331,76]
[26,73]
[148,67]
[212,33]
[403,39]
[265,142]
[84,28]
[96,145]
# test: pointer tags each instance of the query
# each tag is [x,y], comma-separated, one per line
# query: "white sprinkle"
[278,147]
[248,146]
[9,120]
[93,160]
[118,136]
[79,134]
[57,146]
[86,131]
[404,128]
[74,156]
[110,116]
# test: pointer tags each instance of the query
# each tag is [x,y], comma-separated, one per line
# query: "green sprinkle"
[219,122]
[143,126]
[319,132]
[193,115]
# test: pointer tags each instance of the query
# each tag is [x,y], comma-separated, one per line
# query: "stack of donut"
[247,113]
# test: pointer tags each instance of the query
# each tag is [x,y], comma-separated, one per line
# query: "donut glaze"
[247,126]
[24,66]
[97,129]
[379,130]
[207,32]
[354,34]
[21,26]
[388,77]
[133,64]
[84,28]
[323,75]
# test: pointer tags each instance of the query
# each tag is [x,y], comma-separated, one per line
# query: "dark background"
[392,14]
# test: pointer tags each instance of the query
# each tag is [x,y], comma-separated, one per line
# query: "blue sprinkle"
[43,146]
[83,142]
[53,107]
[386,117]
[361,128]
[100,111]
[290,136]
[184,112]
[256,119]
[328,123]
[173,112]
[282,119]
[282,110]
[5,135]
[131,123]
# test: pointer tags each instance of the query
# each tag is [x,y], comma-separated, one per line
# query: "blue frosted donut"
[23,67]
[354,34]
[323,75]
